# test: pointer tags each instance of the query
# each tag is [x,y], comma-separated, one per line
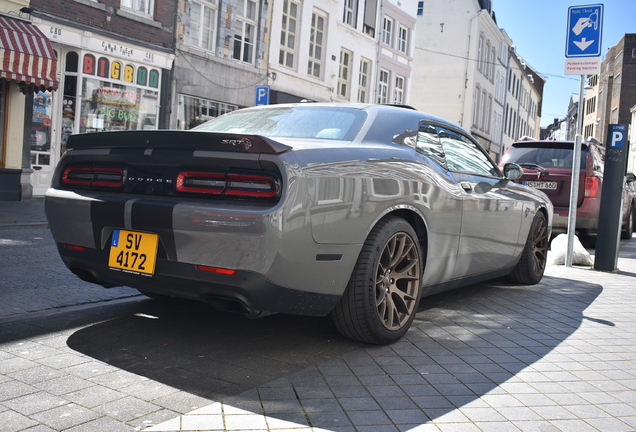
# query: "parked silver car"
[352,210]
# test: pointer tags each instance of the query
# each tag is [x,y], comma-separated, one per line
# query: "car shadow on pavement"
[463,344]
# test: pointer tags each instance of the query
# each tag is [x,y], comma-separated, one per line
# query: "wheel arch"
[417,221]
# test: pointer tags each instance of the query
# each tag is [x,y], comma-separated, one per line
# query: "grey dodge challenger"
[352,210]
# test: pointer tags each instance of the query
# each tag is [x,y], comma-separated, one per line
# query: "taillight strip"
[92,176]
[228,184]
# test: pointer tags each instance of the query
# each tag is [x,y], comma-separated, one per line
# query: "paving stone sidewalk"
[557,356]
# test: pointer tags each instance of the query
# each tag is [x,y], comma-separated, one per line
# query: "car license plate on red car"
[133,252]
[541,185]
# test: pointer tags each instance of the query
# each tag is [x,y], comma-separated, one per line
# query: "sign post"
[610,217]
[582,57]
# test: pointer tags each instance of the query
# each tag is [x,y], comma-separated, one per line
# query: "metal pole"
[576,169]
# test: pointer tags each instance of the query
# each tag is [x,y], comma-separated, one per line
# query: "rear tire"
[530,268]
[382,296]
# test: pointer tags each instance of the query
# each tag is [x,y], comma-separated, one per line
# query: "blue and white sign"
[585,28]
[618,136]
[262,95]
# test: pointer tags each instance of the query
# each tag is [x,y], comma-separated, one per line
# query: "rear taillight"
[93,176]
[217,270]
[592,186]
[235,184]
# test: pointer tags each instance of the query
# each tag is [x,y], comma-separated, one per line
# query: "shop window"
[40,128]
[110,106]
[142,76]
[103,67]
[72,59]
[89,64]
[193,111]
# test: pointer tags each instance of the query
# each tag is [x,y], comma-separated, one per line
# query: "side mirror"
[631,177]
[512,171]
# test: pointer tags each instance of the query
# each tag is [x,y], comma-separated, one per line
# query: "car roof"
[404,110]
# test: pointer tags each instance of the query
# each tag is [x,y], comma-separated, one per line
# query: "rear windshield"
[546,157]
[328,123]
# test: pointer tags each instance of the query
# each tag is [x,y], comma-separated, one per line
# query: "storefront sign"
[118,71]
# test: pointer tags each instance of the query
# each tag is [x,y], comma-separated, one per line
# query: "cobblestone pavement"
[557,356]
[34,278]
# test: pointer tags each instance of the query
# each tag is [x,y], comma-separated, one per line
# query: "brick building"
[613,92]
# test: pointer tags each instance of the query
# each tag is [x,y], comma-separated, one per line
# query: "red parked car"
[548,166]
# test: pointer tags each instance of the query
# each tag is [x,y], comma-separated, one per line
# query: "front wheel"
[530,268]
[381,298]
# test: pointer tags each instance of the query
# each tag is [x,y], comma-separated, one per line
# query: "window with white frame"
[480,49]
[363,80]
[485,61]
[403,43]
[350,10]
[387,34]
[420,8]
[202,29]
[383,87]
[245,30]
[316,40]
[138,6]
[483,115]
[344,73]
[287,54]
[476,106]
[398,91]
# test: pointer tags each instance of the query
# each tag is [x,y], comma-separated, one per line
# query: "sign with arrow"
[583,45]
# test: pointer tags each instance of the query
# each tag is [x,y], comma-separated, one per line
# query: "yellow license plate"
[133,251]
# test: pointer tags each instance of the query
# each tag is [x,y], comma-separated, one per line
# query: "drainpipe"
[461,116]
[511,49]
[380,27]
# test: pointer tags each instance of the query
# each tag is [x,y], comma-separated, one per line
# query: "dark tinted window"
[546,157]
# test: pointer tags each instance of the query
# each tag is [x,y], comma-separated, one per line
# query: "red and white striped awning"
[26,56]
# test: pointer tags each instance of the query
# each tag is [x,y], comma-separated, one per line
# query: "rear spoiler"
[174,139]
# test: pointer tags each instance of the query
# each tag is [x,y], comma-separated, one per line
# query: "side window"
[463,155]
[429,144]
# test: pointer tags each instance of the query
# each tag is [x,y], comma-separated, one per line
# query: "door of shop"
[44,148]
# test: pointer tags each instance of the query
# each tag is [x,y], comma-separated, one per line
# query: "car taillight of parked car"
[592,186]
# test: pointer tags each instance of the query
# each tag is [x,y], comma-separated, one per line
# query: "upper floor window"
[202,24]
[363,80]
[398,91]
[287,54]
[420,8]
[403,43]
[138,6]
[245,31]
[316,41]
[383,87]
[387,35]
[344,73]
[350,11]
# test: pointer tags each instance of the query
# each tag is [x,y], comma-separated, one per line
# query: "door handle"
[466,186]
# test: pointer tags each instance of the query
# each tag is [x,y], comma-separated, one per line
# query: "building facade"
[466,69]
[114,68]
[28,68]
[612,93]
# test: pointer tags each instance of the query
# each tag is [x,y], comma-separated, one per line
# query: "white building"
[465,70]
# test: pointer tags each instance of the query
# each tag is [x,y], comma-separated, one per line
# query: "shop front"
[105,85]
[28,66]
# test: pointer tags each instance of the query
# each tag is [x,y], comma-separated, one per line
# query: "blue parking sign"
[262,95]
[585,28]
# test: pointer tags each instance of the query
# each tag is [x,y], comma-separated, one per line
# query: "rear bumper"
[244,292]
[586,217]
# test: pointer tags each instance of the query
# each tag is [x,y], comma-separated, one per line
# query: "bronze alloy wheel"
[540,246]
[397,281]
[383,294]
[529,270]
